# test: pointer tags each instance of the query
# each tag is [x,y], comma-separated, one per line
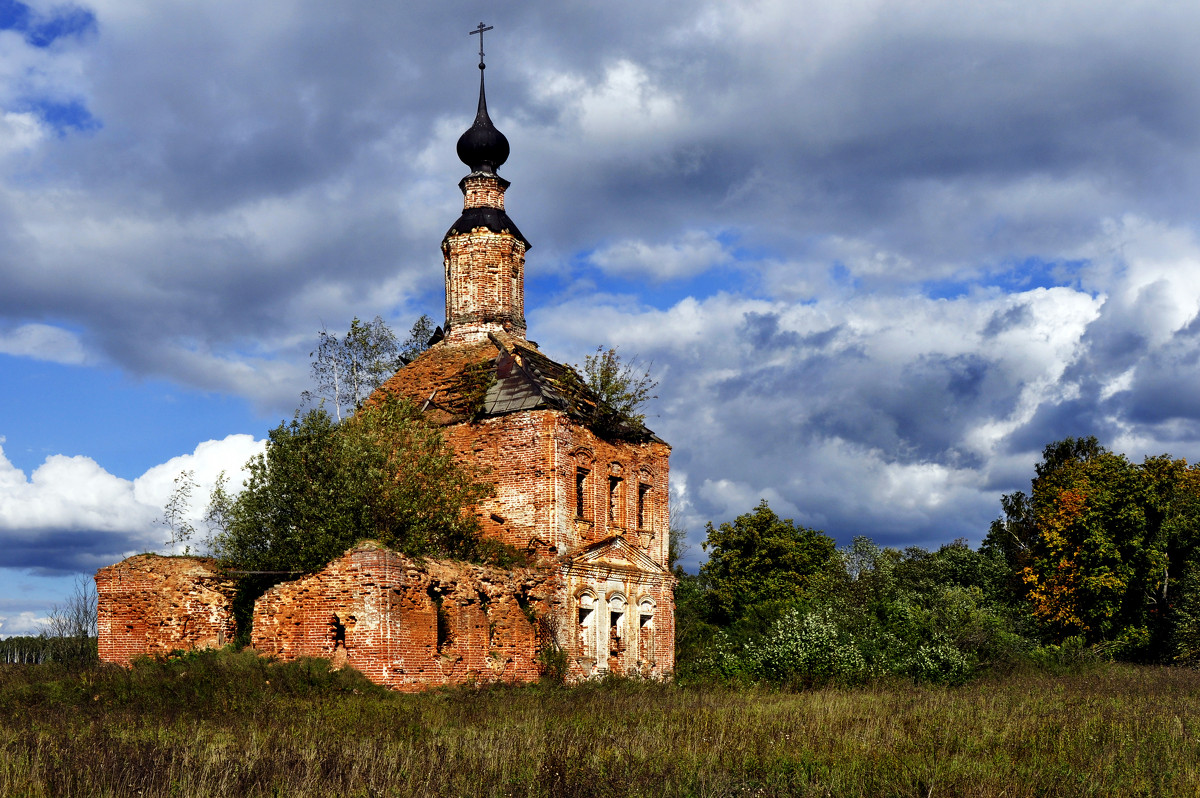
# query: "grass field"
[232,725]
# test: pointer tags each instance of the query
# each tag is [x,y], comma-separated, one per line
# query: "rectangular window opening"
[614,500]
[580,492]
[643,494]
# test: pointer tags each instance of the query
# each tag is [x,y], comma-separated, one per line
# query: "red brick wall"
[485,284]
[411,626]
[516,452]
[482,191]
[485,271]
[533,459]
[635,465]
[149,605]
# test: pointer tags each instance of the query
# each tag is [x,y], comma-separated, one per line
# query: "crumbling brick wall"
[539,461]
[534,458]
[150,605]
[515,452]
[410,625]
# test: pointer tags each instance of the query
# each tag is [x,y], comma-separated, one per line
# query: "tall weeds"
[232,724]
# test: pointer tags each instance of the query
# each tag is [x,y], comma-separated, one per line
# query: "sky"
[877,253]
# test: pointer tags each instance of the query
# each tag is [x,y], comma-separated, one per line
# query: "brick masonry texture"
[483,191]
[149,605]
[485,278]
[409,625]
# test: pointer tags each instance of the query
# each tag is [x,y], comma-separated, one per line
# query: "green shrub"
[940,663]
[806,648]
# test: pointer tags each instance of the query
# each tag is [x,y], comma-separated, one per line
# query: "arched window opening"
[587,619]
[646,614]
[646,631]
[616,626]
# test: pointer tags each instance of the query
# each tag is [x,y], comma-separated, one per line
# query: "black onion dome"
[482,147]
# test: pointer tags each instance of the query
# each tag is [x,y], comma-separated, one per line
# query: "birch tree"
[347,369]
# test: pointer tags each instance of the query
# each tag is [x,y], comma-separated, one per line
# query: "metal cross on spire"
[480,31]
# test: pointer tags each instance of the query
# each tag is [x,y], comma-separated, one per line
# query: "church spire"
[482,147]
[484,252]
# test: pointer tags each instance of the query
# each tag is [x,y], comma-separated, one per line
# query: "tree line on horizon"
[1100,560]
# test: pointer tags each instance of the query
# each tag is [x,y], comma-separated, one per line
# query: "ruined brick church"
[586,497]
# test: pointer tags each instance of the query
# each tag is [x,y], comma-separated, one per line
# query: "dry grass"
[232,725]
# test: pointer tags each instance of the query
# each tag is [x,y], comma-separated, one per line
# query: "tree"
[419,336]
[348,369]
[1107,549]
[621,387]
[760,558]
[321,486]
[71,626]
[1007,547]
[175,512]
[845,616]
[1089,511]
[677,545]
[216,514]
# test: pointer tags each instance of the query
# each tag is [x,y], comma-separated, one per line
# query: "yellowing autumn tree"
[1105,548]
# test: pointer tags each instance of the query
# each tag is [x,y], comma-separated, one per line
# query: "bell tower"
[483,252]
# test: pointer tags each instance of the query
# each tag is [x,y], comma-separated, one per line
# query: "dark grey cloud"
[1001,321]
[254,173]
[202,118]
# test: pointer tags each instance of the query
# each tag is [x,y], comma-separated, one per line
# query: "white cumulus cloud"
[72,514]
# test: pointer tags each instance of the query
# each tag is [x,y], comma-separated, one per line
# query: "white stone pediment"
[615,552]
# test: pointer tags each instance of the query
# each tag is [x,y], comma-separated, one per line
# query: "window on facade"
[442,627]
[581,475]
[646,630]
[616,625]
[614,500]
[587,613]
[643,499]
[646,615]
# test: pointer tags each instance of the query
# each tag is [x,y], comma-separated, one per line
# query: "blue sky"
[878,253]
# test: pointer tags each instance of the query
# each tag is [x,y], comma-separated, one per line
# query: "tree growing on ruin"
[623,387]
[321,486]
[176,510]
[347,369]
